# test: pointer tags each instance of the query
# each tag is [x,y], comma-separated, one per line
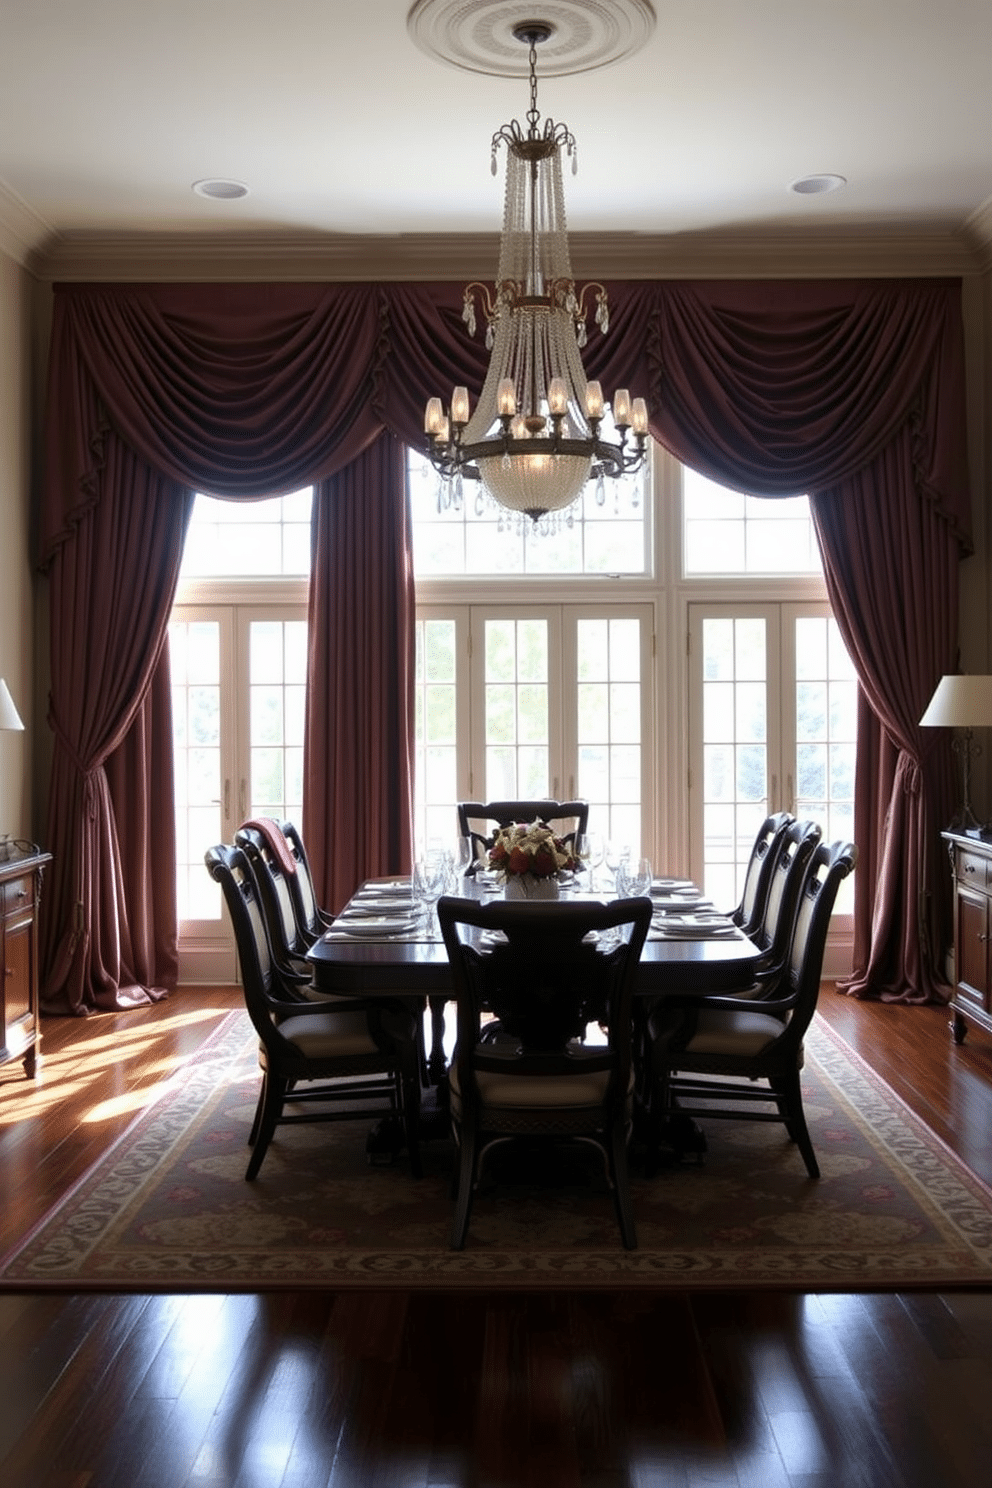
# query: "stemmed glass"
[639,878]
[462,860]
[430,879]
[616,853]
[589,848]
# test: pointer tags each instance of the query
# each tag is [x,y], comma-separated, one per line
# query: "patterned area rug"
[168,1208]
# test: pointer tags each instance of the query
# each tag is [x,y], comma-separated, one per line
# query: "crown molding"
[845,252]
[20,227]
[977,233]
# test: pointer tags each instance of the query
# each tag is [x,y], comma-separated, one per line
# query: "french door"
[238,698]
[529,701]
[772,727]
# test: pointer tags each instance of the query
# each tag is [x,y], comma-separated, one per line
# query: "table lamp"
[9,719]
[963,703]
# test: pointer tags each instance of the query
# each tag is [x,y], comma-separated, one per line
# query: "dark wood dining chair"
[749,913]
[319,1062]
[539,971]
[289,941]
[730,1058]
[480,820]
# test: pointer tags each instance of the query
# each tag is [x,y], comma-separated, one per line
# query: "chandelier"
[537,432]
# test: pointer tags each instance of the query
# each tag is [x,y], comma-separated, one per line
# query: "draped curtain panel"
[243,390]
[360,693]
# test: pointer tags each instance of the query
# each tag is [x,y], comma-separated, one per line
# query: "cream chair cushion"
[740,1034]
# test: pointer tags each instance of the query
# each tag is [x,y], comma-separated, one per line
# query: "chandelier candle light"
[536,435]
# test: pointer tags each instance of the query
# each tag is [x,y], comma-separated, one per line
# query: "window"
[238,652]
[606,532]
[727,533]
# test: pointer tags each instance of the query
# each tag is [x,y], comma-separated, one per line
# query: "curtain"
[773,388]
[358,811]
[111,593]
[891,567]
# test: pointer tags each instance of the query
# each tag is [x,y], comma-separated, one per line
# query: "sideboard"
[21,871]
[971,867]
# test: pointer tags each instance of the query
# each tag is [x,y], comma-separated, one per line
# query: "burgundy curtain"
[111,593]
[855,394]
[892,571]
[775,388]
[357,761]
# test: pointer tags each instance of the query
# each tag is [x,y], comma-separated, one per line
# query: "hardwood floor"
[487,1390]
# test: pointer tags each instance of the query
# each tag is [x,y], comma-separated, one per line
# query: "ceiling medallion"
[481,35]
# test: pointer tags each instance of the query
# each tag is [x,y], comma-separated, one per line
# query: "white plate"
[373,926]
[372,904]
[673,886]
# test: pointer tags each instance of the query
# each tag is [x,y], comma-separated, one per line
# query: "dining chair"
[312,920]
[729,1055]
[750,911]
[546,971]
[289,941]
[319,1062]
[480,820]
[790,861]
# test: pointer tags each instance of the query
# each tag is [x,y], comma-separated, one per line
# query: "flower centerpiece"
[529,859]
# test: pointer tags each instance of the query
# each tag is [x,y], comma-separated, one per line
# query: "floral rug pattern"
[167,1206]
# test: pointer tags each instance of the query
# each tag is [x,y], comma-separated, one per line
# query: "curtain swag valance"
[248,390]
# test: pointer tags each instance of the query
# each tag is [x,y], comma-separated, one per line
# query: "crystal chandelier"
[536,435]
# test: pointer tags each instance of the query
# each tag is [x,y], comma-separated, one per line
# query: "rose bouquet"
[521,849]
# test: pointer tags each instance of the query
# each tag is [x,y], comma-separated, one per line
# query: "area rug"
[167,1207]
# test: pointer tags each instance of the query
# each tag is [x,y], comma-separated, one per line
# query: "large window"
[238,651]
[607,531]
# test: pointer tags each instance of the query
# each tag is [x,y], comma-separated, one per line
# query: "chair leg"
[273,1092]
[621,1184]
[259,1107]
[466,1183]
[410,1094]
[789,1091]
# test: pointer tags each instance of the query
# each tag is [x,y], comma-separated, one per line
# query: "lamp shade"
[960,702]
[9,716]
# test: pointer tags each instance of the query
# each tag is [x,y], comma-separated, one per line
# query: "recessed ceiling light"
[817,185]
[218,189]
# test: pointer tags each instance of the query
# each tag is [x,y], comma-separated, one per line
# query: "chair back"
[230,867]
[310,917]
[480,820]
[540,970]
[287,936]
[825,871]
[750,912]
[795,848]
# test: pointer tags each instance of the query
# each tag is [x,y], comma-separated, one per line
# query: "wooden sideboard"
[20,891]
[971,867]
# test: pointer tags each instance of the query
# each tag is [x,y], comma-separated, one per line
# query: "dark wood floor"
[490,1390]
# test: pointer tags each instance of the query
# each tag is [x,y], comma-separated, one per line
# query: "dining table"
[383,944]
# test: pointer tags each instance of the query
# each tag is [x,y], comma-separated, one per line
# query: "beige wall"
[16,592]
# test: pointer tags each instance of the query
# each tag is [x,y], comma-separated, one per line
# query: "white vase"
[526,886]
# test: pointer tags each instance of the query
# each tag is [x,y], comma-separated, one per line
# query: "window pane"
[734,749]
[606,531]
[194,651]
[724,532]
[249,538]
[608,725]
[516,708]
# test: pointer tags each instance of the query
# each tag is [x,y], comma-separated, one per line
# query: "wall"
[17,659]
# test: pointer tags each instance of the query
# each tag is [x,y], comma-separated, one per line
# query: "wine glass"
[430,879]
[589,849]
[616,852]
[639,878]
[463,857]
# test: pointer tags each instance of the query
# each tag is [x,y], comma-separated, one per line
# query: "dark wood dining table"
[417,966]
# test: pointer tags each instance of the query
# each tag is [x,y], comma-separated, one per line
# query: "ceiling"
[340,125]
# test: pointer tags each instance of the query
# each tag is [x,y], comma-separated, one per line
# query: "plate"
[373,926]
[375,904]
[673,886]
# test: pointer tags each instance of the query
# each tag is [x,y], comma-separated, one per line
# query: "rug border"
[610,1277]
